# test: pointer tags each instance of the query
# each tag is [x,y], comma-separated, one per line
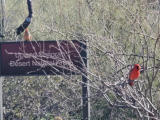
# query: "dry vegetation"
[119,34]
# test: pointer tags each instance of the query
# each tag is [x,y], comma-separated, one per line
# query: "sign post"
[85,98]
[1,98]
[47,58]
[86,92]
[2,31]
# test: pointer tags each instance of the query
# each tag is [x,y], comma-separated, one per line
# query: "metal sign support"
[86,90]
[2,78]
[85,98]
[1,98]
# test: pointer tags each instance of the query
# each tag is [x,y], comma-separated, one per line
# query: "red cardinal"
[134,74]
[27,35]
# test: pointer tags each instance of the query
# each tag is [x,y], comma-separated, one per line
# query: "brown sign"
[42,58]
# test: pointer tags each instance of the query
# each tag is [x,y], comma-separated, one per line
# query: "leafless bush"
[119,34]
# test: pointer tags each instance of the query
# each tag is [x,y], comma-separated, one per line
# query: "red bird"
[134,74]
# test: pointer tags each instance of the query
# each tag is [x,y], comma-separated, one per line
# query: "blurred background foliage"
[119,33]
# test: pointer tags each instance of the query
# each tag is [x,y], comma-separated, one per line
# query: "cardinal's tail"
[131,82]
